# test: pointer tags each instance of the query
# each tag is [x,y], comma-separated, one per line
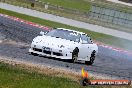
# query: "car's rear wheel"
[92,58]
[74,55]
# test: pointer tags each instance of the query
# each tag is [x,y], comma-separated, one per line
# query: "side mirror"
[42,33]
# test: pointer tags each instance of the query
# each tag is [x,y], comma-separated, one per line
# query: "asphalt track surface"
[67,21]
[108,61]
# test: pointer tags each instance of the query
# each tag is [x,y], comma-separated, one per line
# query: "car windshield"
[64,34]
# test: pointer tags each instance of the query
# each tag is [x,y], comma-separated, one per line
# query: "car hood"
[49,41]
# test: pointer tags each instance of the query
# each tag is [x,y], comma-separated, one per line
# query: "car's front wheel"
[74,55]
[35,54]
[92,58]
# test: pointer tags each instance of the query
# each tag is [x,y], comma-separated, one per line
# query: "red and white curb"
[48,28]
[113,48]
[26,22]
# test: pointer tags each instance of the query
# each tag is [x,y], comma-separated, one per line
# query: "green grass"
[107,39]
[84,5]
[73,4]
[15,77]
[79,5]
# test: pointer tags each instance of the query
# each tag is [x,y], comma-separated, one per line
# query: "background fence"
[111,15]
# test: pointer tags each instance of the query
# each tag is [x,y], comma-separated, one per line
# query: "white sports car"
[65,44]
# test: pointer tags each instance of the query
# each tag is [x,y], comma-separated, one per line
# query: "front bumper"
[53,53]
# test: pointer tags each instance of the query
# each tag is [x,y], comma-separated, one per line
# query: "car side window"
[86,39]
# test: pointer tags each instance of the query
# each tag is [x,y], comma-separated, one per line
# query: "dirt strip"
[50,70]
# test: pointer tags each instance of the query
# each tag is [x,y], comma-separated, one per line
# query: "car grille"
[57,54]
[36,49]
[46,52]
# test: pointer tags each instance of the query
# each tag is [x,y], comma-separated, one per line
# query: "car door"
[86,47]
